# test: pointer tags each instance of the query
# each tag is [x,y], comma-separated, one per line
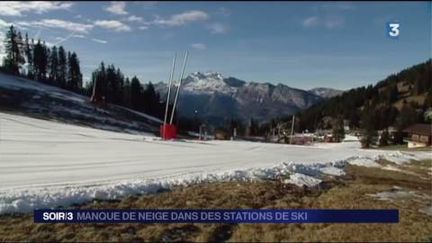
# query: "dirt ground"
[407,188]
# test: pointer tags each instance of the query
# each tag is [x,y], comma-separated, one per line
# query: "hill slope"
[399,100]
[24,96]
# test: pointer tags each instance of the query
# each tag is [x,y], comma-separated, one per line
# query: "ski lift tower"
[169,130]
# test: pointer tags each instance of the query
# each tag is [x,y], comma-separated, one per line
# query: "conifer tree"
[338,130]
[29,56]
[62,67]
[40,60]
[74,77]
[136,94]
[53,66]
[13,49]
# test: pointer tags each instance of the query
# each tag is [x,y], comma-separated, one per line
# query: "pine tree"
[99,84]
[338,130]
[74,77]
[384,138]
[69,72]
[111,82]
[13,49]
[136,94]
[407,116]
[20,57]
[368,124]
[40,60]
[78,79]
[252,129]
[151,99]
[120,83]
[53,66]
[62,67]
[393,94]
[126,95]
[29,56]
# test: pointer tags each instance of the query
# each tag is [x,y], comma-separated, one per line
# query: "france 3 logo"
[393,29]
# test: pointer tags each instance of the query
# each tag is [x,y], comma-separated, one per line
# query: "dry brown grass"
[404,147]
[352,191]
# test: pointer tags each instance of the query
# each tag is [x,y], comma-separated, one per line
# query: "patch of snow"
[392,195]
[330,170]
[401,157]
[398,193]
[315,170]
[350,138]
[427,210]
[392,168]
[363,161]
[302,180]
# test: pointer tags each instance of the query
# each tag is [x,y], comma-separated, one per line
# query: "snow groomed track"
[47,164]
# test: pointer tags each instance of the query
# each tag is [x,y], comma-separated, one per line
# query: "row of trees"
[112,84]
[37,61]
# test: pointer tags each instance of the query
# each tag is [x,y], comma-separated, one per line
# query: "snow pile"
[315,169]
[399,157]
[350,138]
[25,200]
[398,193]
[364,161]
[302,180]
[426,210]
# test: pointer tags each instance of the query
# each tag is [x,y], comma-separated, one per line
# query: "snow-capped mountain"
[207,83]
[212,96]
[326,92]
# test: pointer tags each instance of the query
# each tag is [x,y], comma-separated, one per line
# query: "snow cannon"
[168,131]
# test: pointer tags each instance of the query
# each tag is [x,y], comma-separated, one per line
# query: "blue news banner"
[217,216]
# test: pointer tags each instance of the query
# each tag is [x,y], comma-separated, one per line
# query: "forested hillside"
[399,100]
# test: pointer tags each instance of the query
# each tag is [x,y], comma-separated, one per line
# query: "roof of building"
[421,129]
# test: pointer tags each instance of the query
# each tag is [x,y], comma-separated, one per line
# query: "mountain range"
[215,98]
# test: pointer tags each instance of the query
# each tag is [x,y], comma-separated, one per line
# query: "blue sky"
[301,44]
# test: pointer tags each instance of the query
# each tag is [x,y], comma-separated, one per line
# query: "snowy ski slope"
[48,164]
[40,100]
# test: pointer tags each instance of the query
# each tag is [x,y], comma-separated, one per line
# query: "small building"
[420,135]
